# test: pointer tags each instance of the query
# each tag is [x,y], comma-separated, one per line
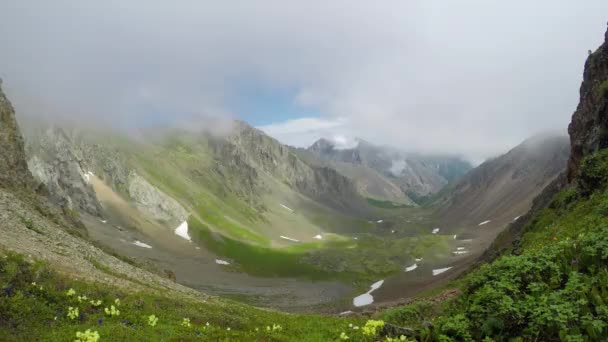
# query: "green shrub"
[602,90]
[594,172]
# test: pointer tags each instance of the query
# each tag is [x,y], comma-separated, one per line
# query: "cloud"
[473,76]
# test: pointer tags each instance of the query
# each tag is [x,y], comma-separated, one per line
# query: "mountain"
[13,169]
[503,188]
[389,174]
[589,127]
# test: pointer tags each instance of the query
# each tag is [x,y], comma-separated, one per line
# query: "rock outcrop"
[56,162]
[156,204]
[14,172]
[589,127]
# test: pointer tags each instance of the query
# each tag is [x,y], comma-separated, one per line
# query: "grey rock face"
[56,162]
[589,127]
[153,202]
[13,167]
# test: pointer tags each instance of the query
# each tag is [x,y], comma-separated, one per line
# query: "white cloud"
[472,76]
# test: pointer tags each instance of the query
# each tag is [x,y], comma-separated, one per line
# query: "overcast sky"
[467,77]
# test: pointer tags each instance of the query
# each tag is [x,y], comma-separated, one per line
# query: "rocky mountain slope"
[589,127]
[390,174]
[502,188]
[13,169]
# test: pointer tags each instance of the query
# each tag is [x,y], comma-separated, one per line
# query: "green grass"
[385,204]
[34,306]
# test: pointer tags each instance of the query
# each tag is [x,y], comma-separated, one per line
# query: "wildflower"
[397,339]
[34,283]
[41,288]
[276,327]
[371,327]
[100,321]
[55,318]
[574,262]
[117,301]
[87,336]
[70,292]
[82,298]
[228,329]
[72,313]
[186,323]
[152,320]
[95,302]
[207,324]
[355,328]
[343,336]
[198,333]
[112,311]
[350,325]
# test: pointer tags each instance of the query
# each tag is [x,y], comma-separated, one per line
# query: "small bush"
[602,90]
[594,172]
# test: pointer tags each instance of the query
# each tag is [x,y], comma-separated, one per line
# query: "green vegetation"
[36,304]
[385,204]
[366,259]
[555,289]
[602,90]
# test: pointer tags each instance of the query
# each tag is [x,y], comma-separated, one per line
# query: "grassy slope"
[34,305]
[553,287]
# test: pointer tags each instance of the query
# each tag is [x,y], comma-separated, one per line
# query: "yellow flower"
[72,313]
[186,323]
[371,327]
[112,311]
[117,301]
[70,292]
[152,320]
[343,336]
[95,302]
[87,336]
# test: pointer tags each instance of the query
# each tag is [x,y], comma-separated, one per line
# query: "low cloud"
[473,77]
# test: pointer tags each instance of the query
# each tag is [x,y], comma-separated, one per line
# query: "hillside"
[503,188]
[384,173]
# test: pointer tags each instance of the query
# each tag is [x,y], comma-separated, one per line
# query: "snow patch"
[454,237]
[411,268]
[286,207]
[440,270]
[221,262]
[288,238]
[517,218]
[418,259]
[141,244]
[459,252]
[379,221]
[485,222]
[460,249]
[435,231]
[367,298]
[182,231]
[319,237]
[346,313]
[103,221]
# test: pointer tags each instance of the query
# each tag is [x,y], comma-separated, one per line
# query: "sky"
[470,77]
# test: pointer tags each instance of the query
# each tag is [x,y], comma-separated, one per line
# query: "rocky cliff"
[14,172]
[589,127]
[57,163]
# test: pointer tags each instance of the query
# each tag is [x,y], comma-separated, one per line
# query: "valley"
[273,226]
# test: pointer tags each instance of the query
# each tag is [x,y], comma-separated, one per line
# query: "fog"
[466,77]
